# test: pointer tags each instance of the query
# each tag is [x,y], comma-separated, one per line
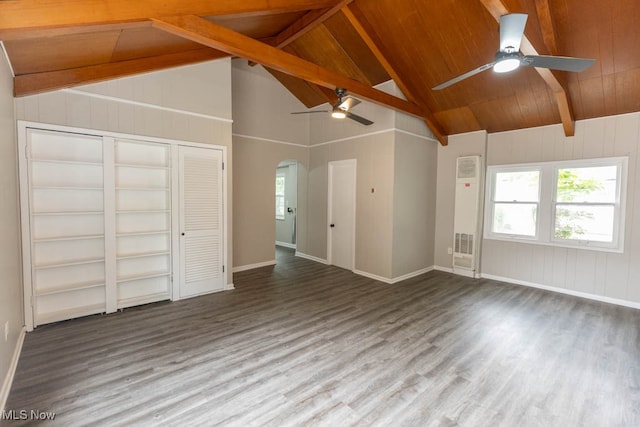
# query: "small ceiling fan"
[509,57]
[341,108]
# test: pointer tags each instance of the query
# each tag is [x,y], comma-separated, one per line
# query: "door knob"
[332,225]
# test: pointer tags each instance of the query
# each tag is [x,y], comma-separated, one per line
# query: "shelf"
[61,239]
[69,264]
[149,275]
[141,166]
[142,188]
[56,316]
[70,287]
[142,255]
[144,211]
[66,188]
[143,233]
[130,302]
[66,162]
[67,213]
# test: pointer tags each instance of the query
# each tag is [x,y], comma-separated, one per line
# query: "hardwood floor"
[307,344]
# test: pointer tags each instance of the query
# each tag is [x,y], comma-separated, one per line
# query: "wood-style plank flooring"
[306,344]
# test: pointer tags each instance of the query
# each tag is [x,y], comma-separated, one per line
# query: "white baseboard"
[594,297]
[252,266]
[229,287]
[395,279]
[412,274]
[311,257]
[444,269]
[372,276]
[466,273]
[8,379]
[286,245]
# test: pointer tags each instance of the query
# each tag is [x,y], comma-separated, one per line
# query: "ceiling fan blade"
[464,76]
[348,103]
[359,119]
[511,31]
[311,112]
[562,63]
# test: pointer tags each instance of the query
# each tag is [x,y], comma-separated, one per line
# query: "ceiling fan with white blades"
[509,57]
[340,109]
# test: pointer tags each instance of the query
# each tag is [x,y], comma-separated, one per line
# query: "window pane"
[584,223]
[591,184]
[517,186]
[280,207]
[280,185]
[515,218]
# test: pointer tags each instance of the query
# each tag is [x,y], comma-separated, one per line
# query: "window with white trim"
[577,203]
[280,185]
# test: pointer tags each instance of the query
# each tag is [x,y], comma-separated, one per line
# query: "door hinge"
[223,268]
[222,165]
[26,151]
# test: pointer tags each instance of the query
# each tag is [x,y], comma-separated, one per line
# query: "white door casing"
[201,221]
[341,213]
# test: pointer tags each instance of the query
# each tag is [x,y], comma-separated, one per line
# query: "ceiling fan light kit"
[506,63]
[509,58]
[338,114]
[340,110]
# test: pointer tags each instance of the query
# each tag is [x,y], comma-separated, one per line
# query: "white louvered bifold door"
[201,221]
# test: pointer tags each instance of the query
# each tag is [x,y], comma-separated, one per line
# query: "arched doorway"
[286,201]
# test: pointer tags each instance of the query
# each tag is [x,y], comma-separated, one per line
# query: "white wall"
[190,103]
[374,211]
[600,275]
[264,134]
[10,262]
[262,107]
[467,144]
[608,275]
[397,158]
[414,204]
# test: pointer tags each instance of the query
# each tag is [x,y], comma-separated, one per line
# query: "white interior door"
[201,221]
[342,210]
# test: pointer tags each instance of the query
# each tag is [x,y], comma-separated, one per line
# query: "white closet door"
[201,221]
[66,225]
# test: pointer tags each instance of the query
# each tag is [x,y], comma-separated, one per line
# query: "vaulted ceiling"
[315,46]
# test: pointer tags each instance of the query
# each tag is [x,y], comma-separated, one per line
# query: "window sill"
[583,246]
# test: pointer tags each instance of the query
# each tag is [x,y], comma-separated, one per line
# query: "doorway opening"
[286,202]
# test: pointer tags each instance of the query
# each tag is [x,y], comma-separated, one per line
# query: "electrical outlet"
[450,251]
[6,330]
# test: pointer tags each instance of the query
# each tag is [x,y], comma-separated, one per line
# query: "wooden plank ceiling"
[312,47]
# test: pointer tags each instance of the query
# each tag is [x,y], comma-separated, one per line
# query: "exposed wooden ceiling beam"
[215,36]
[29,15]
[36,33]
[546,26]
[497,8]
[302,26]
[370,38]
[306,23]
[30,84]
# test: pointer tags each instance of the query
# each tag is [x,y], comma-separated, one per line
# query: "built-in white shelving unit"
[67,225]
[143,222]
[101,222]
